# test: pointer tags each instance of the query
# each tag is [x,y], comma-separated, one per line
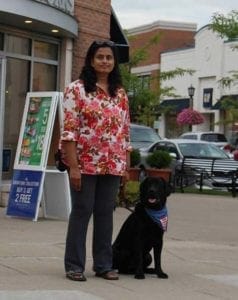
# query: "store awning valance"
[175,105]
[226,102]
[45,17]
[118,36]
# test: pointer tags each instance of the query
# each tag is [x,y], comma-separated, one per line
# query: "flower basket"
[189,116]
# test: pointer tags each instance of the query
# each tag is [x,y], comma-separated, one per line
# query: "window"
[19,45]
[26,71]
[207,97]
[160,146]
[16,88]
[144,81]
[190,136]
[171,148]
[44,77]
[213,137]
[45,50]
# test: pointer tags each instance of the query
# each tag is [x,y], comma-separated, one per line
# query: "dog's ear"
[143,184]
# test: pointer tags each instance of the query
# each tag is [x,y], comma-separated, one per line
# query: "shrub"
[159,159]
[135,157]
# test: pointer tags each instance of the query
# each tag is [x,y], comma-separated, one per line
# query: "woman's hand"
[75,178]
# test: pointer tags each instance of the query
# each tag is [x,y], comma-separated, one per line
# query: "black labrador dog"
[143,231]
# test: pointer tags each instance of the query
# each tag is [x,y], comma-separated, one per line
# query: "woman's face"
[103,60]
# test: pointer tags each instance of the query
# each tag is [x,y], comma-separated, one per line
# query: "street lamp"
[191,91]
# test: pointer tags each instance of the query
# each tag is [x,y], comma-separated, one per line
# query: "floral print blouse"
[99,124]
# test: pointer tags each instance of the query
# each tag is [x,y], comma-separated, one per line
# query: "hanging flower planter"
[189,116]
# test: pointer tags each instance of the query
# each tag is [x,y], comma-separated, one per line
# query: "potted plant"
[159,162]
[134,170]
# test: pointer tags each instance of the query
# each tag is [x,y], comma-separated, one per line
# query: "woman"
[95,143]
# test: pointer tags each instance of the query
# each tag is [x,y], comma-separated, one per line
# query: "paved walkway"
[200,255]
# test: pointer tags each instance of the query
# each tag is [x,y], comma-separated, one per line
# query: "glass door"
[27,64]
[16,88]
[2,94]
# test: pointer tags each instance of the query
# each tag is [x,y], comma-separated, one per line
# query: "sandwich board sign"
[30,166]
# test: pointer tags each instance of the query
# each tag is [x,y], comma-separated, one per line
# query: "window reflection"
[17,86]
[36,71]
[45,50]
[20,45]
[44,77]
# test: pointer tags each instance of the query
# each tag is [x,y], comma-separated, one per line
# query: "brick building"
[173,36]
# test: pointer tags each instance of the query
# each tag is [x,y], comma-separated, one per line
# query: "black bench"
[192,171]
[222,173]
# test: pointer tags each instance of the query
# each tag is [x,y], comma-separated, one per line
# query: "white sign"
[32,181]
[36,130]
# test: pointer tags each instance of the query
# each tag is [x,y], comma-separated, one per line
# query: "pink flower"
[190,117]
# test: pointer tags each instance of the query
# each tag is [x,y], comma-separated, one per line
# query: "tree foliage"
[227,27]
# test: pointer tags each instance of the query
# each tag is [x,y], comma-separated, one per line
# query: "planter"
[134,174]
[164,173]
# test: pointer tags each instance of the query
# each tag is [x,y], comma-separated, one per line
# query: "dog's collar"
[160,217]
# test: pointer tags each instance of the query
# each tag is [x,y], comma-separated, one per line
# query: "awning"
[118,36]
[175,105]
[226,102]
[45,17]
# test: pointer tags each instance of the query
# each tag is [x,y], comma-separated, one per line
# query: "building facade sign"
[65,5]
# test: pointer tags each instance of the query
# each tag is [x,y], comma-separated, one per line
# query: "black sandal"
[76,276]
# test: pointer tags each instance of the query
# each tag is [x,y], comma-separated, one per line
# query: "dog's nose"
[152,194]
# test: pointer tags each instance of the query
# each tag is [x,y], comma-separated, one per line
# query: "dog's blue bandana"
[159,216]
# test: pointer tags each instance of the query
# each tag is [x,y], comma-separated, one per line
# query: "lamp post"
[191,91]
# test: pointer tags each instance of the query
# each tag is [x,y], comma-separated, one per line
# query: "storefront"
[38,42]
[32,39]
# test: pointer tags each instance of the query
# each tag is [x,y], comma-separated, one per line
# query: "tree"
[227,27]
[144,99]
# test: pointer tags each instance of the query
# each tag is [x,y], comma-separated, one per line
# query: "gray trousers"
[97,196]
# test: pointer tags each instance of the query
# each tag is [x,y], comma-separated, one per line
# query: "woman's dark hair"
[88,74]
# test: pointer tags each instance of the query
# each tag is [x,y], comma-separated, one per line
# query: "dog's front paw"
[139,276]
[162,275]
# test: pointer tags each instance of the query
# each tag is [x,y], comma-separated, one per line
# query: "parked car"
[217,138]
[178,148]
[142,136]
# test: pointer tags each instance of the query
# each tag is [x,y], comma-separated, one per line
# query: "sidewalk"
[200,256]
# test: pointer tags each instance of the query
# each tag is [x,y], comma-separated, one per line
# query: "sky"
[133,13]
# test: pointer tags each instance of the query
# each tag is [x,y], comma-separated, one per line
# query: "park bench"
[225,174]
[212,172]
